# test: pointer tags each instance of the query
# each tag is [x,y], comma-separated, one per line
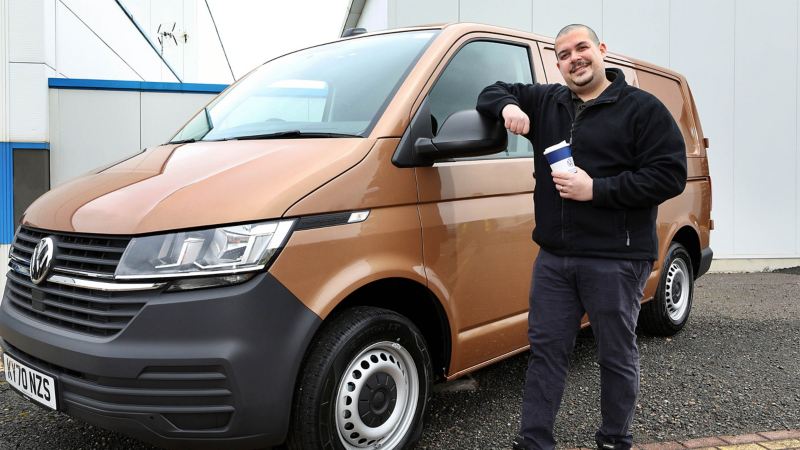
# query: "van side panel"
[374,182]
[322,266]
[477,217]
[669,91]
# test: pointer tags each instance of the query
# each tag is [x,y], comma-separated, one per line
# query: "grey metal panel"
[422,12]
[4,249]
[510,13]
[164,113]
[765,128]
[638,28]
[4,94]
[375,15]
[94,128]
[27,102]
[31,178]
[710,75]
[26,31]
[550,16]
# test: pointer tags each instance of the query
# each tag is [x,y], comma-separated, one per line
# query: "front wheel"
[364,384]
[668,311]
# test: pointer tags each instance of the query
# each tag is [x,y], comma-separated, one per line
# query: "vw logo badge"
[41,259]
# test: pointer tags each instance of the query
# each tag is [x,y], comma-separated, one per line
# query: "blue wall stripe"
[6,194]
[140,86]
[30,145]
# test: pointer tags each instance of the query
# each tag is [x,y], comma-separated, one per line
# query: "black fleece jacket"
[630,145]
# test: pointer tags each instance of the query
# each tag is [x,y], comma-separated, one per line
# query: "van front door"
[477,215]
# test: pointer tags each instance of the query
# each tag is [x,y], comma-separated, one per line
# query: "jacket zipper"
[563,225]
[575,117]
[627,232]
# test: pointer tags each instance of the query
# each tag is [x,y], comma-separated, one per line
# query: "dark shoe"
[520,443]
[603,444]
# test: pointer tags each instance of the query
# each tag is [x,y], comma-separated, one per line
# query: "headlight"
[217,251]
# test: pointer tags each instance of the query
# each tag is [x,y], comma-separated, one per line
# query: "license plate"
[32,383]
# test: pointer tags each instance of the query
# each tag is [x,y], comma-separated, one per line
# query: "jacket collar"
[610,95]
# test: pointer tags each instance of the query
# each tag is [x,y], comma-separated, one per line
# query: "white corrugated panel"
[638,28]
[710,76]
[765,128]
[3,71]
[375,15]
[82,54]
[490,12]
[108,21]
[404,13]
[94,128]
[549,16]
[27,89]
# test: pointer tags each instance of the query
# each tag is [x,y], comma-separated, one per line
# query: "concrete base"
[752,265]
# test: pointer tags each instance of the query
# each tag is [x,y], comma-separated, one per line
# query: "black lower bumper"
[706,255]
[207,368]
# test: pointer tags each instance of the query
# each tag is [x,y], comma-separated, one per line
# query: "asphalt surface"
[734,369]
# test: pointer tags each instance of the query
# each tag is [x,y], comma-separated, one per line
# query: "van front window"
[337,89]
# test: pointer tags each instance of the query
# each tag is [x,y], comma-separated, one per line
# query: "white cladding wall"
[65,39]
[107,126]
[725,49]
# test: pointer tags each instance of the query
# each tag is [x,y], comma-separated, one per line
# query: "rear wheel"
[669,310]
[364,384]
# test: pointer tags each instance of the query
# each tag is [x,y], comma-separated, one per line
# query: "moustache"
[577,65]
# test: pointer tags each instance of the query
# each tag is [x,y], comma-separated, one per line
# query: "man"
[595,228]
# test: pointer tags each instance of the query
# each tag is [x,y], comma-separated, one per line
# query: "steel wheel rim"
[372,366]
[677,288]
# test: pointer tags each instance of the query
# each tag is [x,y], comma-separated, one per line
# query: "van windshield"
[337,89]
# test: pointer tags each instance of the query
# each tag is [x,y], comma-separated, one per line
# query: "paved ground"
[772,440]
[734,370]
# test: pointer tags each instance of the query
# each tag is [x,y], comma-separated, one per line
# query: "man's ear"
[603,48]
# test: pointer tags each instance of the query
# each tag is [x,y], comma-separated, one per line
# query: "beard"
[589,77]
[584,82]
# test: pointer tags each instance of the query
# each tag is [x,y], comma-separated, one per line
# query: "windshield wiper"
[184,141]
[289,135]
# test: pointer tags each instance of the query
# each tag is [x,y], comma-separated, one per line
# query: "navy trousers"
[562,289]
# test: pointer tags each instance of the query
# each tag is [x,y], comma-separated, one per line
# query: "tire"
[365,381]
[668,312]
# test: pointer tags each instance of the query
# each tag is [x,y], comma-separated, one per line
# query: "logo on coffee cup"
[559,157]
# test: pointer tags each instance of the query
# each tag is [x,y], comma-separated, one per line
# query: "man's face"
[580,60]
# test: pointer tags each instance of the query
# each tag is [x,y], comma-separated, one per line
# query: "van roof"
[461,28]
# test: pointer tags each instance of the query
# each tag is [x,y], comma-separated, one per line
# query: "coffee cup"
[559,157]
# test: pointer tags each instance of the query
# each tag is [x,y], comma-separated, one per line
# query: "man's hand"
[574,186]
[517,121]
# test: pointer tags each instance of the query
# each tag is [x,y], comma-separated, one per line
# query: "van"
[330,235]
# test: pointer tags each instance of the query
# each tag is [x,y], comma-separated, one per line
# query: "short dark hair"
[576,26]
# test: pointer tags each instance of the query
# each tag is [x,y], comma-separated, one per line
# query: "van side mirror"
[463,134]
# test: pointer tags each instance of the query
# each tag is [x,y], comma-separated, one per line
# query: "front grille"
[88,311]
[97,255]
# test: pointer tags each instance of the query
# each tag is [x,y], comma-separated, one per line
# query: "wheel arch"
[690,239]
[413,301]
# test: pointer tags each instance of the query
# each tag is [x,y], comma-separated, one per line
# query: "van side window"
[669,92]
[477,65]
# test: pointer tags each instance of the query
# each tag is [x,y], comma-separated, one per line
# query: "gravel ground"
[732,370]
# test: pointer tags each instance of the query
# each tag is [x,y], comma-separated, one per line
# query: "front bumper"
[209,368]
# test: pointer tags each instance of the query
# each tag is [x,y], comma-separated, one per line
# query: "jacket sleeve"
[661,163]
[495,97]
